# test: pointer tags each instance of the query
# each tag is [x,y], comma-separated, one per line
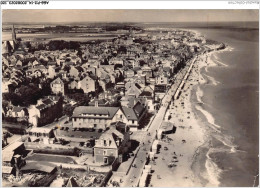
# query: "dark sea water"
[234,104]
[231,156]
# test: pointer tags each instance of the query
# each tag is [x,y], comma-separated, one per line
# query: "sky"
[133,15]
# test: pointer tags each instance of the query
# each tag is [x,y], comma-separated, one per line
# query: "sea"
[227,103]
[232,104]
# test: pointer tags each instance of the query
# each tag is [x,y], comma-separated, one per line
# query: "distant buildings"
[9,46]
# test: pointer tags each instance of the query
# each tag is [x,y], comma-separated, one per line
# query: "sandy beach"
[190,137]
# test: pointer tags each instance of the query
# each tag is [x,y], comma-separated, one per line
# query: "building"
[17,112]
[12,158]
[147,71]
[45,111]
[96,117]
[159,91]
[129,73]
[101,102]
[110,146]
[101,117]
[57,86]
[133,115]
[42,135]
[73,85]
[133,89]
[47,171]
[162,79]
[148,95]
[87,84]
[165,128]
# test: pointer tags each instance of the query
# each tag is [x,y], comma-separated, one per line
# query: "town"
[90,113]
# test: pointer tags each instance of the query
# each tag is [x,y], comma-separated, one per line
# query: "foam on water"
[212,80]
[213,172]
[199,94]
[209,117]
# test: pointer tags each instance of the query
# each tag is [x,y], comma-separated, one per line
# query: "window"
[95,125]
[105,160]
[133,121]
[121,116]
[104,152]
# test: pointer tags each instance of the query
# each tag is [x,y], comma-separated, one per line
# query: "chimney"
[17,170]
[96,103]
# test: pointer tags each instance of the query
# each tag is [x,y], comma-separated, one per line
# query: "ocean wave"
[218,62]
[209,118]
[228,141]
[212,80]
[199,94]
[212,170]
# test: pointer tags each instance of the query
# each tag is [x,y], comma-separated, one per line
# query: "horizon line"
[121,22]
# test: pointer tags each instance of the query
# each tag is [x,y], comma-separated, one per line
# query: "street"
[132,178]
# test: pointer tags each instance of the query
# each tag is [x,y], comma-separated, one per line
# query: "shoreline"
[194,131]
[215,141]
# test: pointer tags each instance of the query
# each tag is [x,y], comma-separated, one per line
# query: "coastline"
[204,166]
[196,129]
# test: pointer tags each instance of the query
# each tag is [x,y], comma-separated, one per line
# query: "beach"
[188,137]
[191,136]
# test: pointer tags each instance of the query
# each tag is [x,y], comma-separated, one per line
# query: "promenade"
[133,176]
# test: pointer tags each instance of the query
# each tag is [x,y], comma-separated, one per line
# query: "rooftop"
[110,111]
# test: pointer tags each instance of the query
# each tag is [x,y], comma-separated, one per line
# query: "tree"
[122,49]
[142,63]
[81,98]
[13,97]
[66,68]
[68,110]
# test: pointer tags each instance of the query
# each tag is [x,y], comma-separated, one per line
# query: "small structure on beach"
[151,155]
[144,177]
[155,146]
[166,128]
